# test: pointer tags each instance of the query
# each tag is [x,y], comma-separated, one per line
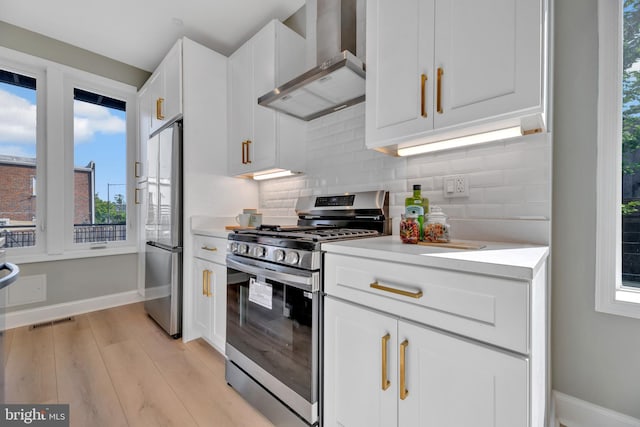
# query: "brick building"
[18,191]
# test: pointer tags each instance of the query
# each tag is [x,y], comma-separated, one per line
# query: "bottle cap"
[417,186]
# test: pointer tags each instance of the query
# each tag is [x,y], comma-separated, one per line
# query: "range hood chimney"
[338,80]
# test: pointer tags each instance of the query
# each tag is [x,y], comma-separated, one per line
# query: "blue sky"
[99,136]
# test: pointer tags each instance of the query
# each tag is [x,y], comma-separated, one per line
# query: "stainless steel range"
[274,302]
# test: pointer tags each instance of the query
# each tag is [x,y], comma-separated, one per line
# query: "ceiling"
[141,32]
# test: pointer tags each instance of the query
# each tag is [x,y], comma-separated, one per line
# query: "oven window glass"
[271,324]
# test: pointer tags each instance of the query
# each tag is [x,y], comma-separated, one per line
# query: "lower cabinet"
[210,298]
[383,371]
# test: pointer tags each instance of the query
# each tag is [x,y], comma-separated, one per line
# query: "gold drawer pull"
[159,114]
[385,381]
[403,370]
[376,285]
[207,248]
[423,81]
[439,94]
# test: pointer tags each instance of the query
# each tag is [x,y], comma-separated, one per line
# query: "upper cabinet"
[165,89]
[261,139]
[159,102]
[438,69]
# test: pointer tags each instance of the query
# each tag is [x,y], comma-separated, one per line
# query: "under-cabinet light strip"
[463,141]
[270,175]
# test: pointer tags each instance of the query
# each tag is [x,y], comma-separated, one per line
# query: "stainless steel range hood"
[339,79]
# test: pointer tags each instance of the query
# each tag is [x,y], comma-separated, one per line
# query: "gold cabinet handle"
[244,158]
[385,380]
[423,85]
[248,158]
[207,248]
[403,370]
[376,285]
[136,198]
[204,282]
[159,103]
[439,93]
[209,282]
[137,167]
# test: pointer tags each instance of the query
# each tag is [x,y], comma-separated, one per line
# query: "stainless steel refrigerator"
[163,229]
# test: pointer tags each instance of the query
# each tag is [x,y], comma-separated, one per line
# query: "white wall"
[508,181]
[595,356]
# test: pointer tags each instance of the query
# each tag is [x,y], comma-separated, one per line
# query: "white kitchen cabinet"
[474,335]
[196,76]
[448,68]
[261,139]
[166,89]
[370,358]
[210,289]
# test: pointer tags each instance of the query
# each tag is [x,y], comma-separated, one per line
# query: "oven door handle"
[306,283]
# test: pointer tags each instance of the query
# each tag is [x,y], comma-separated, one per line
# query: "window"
[618,157]
[99,173]
[73,134]
[19,206]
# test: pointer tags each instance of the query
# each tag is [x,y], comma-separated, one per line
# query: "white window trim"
[51,241]
[611,296]
[38,72]
[95,84]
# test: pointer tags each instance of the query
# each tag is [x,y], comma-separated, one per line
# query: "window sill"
[79,254]
[626,303]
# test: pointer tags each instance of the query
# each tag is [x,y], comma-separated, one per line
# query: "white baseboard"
[573,412]
[48,313]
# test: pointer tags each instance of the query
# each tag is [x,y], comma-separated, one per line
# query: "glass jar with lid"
[409,228]
[437,228]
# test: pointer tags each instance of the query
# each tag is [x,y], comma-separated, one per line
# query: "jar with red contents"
[409,229]
[436,228]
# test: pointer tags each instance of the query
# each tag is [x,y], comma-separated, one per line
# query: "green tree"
[110,212]
[631,95]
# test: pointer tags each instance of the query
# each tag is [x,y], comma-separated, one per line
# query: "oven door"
[273,319]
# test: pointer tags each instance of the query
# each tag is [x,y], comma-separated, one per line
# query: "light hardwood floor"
[116,367]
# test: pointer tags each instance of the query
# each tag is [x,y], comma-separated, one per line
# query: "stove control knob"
[233,247]
[278,255]
[243,249]
[259,251]
[292,258]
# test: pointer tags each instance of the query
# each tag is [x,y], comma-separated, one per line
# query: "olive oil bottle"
[418,205]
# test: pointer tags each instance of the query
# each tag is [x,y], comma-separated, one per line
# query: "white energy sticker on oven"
[260,293]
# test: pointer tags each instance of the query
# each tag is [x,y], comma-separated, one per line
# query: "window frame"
[38,73]
[55,121]
[114,90]
[611,296]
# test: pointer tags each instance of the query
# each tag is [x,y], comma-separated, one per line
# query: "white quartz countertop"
[511,260]
[214,226]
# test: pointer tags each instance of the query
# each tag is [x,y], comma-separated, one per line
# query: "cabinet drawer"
[486,308]
[210,248]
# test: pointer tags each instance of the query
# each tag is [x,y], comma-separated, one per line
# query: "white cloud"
[17,119]
[90,119]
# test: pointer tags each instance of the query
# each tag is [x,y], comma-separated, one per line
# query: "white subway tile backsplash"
[507,179]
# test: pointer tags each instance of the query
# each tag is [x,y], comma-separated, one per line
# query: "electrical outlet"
[455,186]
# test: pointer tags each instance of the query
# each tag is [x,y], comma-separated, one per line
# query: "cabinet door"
[399,52]
[262,150]
[156,92]
[218,286]
[202,293]
[490,54]
[172,70]
[240,108]
[453,382]
[144,126]
[353,391]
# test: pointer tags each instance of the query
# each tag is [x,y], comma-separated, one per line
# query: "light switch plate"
[455,186]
